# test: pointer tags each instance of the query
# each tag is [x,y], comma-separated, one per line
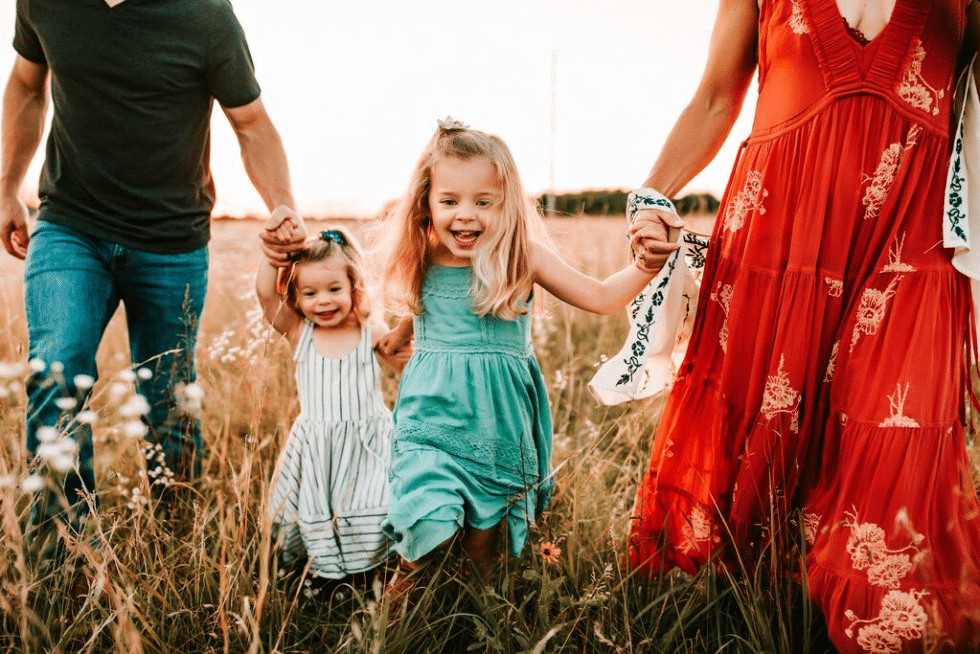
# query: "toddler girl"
[330,491]
[472,424]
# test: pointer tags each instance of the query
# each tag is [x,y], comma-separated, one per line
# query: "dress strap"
[305,338]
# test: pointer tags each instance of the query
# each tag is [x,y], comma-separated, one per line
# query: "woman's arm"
[705,123]
[576,288]
[703,126]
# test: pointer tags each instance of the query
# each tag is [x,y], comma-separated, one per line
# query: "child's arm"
[398,338]
[386,345]
[579,290]
[282,318]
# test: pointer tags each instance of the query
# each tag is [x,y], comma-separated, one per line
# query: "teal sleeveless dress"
[472,424]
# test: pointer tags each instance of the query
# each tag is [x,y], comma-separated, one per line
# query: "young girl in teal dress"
[472,444]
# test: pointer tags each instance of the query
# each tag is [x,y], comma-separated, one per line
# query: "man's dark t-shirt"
[127,159]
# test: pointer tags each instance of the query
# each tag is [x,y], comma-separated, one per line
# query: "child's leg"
[481,546]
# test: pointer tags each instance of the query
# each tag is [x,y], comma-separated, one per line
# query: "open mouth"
[326,315]
[466,238]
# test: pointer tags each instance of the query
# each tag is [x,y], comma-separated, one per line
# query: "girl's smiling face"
[464,198]
[323,293]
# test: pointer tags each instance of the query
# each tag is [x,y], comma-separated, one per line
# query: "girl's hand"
[285,227]
[284,234]
[653,236]
[395,346]
[397,359]
[394,341]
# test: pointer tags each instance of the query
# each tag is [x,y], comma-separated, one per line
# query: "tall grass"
[206,578]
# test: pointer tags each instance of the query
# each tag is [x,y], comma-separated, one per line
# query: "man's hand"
[13,226]
[284,234]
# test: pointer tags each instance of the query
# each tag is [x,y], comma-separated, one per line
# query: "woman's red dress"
[827,371]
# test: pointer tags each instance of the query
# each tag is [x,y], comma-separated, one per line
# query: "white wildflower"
[37,365]
[127,375]
[10,370]
[135,406]
[66,403]
[117,390]
[144,374]
[32,484]
[48,434]
[57,367]
[194,391]
[62,462]
[86,417]
[134,429]
[84,382]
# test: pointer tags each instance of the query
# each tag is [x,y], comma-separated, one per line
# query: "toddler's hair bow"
[333,235]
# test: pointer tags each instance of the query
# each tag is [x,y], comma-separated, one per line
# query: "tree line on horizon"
[612,202]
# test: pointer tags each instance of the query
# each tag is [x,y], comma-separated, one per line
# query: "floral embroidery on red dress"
[797,21]
[895,263]
[902,615]
[748,199]
[914,89]
[832,364]
[780,397]
[881,182]
[723,296]
[697,529]
[811,521]
[898,417]
[872,310]
[835,287]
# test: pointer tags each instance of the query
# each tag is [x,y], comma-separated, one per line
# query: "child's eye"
[335,289]
[448,202]
[484,203]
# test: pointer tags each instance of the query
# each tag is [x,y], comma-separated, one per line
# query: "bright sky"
[355,89]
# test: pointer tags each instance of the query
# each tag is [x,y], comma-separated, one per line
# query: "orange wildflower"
[550,552]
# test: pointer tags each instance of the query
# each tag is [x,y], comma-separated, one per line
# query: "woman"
[827,368]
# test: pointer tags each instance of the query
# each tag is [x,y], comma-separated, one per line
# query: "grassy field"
[207,580]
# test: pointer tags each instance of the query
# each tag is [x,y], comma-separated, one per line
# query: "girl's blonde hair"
[335,243]
[501,262]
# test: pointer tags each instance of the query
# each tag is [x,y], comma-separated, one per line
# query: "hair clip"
[333,235]
[449,123]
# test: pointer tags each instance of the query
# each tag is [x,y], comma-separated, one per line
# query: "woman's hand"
[653,236]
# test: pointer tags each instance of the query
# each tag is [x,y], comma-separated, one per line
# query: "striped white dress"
[330,491]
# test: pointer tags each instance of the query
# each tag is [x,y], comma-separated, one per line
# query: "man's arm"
[262,153]
[25,104]
[265,162]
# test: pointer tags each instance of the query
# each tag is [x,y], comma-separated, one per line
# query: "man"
[126,194]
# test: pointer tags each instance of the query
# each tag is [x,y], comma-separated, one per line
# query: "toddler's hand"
[284,227]
[284,233]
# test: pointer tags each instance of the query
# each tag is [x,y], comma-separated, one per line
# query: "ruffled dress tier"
[827,371]
[330,491]
[472,423]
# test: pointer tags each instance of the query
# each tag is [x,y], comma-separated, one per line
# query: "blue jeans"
[72,286]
